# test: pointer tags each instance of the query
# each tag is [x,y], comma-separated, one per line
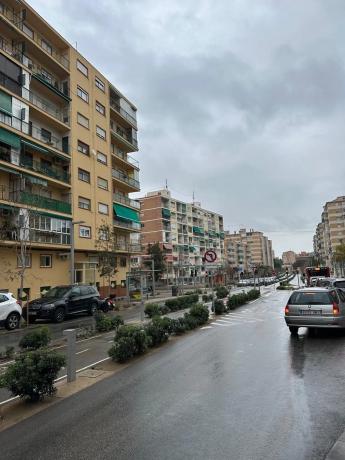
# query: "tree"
[158,257]
[278,264]
[339,256]
[106,245]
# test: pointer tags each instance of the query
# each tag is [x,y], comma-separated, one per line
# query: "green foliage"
[219,307]
[207,297]
[36,339]
[221,292]
[159,260]
[158,330]
[191,322]
[200,312]
[105,323]
[179,326]
[240,299]
[32,374]
[152,309]
[123,349]
[137,333]
[182,302]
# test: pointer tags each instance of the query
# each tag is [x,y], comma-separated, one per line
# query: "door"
[75,301]
[85,295]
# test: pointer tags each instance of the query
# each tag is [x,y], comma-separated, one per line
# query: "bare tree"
[106,245]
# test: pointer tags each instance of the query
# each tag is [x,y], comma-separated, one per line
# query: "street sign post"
[210,257]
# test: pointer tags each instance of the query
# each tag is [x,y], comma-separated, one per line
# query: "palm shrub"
[36,339]
[33,373]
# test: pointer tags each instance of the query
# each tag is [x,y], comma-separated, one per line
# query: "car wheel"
[93,308]
[12,321]
[293,330]
[59,315]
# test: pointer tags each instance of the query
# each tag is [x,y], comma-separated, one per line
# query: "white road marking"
[219,324]
[82,351]
[206,327]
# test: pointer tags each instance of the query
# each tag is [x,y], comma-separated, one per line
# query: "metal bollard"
[71,336]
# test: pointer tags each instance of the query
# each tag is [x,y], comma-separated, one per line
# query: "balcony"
[126,158]
[34,131]
[116,106]
[39,39]
[132,183]
[128,225]
[36,236]
[125,200]
[35,201]
[129,248]
[127,141]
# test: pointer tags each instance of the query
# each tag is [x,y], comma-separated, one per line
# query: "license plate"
[32,313]
[310,312]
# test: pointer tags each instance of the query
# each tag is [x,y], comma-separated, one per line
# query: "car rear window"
[323,283]
[310,298]
[340,284]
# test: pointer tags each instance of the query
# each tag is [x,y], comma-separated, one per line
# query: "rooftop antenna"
[166,184]
[193,197]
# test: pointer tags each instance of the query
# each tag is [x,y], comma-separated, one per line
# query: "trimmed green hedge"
[182,302]
[105,323]
[240,299]
[36,339]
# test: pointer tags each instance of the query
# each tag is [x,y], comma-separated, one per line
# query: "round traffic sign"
[210,256]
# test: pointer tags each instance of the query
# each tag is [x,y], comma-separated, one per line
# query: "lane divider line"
[82,351]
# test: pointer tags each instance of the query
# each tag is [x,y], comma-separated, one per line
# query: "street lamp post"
[73,223]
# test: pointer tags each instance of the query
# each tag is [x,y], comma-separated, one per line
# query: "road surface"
[241,388]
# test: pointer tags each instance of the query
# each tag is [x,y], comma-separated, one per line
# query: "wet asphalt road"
[241,389]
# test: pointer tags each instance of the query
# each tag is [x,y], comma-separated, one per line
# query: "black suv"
[60,301]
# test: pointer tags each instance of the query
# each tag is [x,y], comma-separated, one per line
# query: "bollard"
[71,336]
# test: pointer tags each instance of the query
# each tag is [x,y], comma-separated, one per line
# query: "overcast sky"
[240,101]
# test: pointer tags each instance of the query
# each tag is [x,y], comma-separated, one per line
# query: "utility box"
[174,291]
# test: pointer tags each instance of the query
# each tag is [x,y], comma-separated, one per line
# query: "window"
[99,84]
[45,261]
[102,158]
[3,298]
[83,148]
[46,135]
[123,262]
[46,75]
[82,94]
[84,232]
[26,259]
[103,208]
[82,68]
[83,121]
[100,132]
[100,108]
[45,45]
[83,175]
[29,32]
[84,203]
[102,183]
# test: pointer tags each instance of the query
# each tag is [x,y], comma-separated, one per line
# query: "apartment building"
[184,231]
[330,232]
[245,250]
[66,133]
[289,258]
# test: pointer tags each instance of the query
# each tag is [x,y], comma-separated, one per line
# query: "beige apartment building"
[248,249]
[184,231]
[289,258]
[330,232]
[65,138]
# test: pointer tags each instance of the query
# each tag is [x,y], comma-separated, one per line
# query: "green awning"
[198,230]
[5,103]
[9,138]
[9,170]
[54,216]
[8,208]
[34,146]
[51,87]
[122,212]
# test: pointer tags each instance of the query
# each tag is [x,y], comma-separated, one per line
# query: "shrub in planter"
[36,339]
[221,292]
[116,322]
[191,322]
[152,309]
[157,331]
[33,373]
[105,323]
[200,312]
[123,349]
[178,326]
[172,304]
[219,307]
[204,298]
[138,334]
[164,309]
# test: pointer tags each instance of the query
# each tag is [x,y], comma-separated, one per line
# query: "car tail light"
[287,309]
[335,309]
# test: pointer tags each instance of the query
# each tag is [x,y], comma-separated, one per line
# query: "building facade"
[184,231]
[246,250]
[330,233]
[289,258]
[65,138]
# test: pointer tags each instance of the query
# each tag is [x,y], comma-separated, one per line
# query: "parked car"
[315,307]
[61,301]
[331,282]
[10,311]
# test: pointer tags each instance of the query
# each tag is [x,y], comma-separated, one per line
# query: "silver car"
[331,282]
[315,307]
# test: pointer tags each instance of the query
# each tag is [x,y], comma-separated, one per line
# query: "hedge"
[105,323]
[240,299]
[35,339]
[182,302]
[221,292]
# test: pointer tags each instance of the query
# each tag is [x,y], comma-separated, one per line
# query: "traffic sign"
[210,256]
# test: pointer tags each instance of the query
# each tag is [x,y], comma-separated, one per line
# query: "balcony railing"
[116,106]
[33,131]
[34,165]
[129,247]
[127,224]
[127,158]
[128,180]
[125,200]
[124,135]
[17,21]
[36,236]
[48,107]
[36,201]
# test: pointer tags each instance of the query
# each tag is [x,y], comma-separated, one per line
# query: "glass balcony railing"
[127,158]
[127,224]
[128,180]
[116,106]
[34,131]
[39,39]
[125,200]
[120,132]
[129,247]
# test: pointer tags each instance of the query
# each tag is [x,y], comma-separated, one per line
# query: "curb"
[337,452]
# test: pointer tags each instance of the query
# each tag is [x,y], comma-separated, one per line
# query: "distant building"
[246,250]
[289,258]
